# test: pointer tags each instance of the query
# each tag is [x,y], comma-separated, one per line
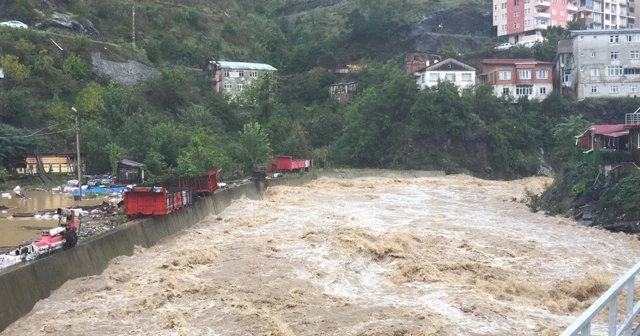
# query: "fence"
[582,326]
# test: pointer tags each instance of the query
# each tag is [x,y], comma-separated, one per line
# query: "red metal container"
[155,201]
[287,163]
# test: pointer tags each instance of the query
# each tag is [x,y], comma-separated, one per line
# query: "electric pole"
[79,168]
[133,24]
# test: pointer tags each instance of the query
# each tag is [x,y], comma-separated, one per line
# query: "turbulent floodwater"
[439,256]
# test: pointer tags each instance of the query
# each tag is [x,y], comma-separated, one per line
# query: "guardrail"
[582,326]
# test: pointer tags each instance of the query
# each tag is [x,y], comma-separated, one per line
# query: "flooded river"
[14,231]
[446,256]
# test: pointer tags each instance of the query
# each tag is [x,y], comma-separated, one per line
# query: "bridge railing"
[582,326]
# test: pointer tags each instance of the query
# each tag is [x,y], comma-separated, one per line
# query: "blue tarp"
[98,190]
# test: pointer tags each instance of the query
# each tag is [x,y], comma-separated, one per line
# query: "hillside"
[174,122]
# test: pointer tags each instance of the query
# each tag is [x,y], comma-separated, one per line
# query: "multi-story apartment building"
[606,14]
[524,20]
[518,77]
[233,77]
[599,63]
[460,74]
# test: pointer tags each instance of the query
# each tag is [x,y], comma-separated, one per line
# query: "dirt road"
[430,256]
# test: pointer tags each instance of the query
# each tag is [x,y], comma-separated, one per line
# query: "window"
[505,91]
[553,11]
[594,89]
[228,86]
[450,77]
[632,71]
[240,86]
[527,23]
[253,74]
[226,73]
[524,90]
[525,74]
[466,77]
[527,11]
[593,54]
[615,55]
[516,25]
[504,16]
[614,89]
[516,13]
[612,38]
[416,58]
[597,17]
[504,27]
[503,5]
[561,13]
[594,72]
[633,89]
[543,90]
[241,73]
[505,75]
[542,74]
[634,54]
[614,70]
[434,77]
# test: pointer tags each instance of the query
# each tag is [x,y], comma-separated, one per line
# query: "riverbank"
[593,198]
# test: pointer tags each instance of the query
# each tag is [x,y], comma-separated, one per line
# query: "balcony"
[571,8]
[606,156]
[542,15]
[632,118]
[540,26]
[543,4]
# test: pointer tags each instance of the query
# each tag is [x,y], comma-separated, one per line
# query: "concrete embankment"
[383,173]
[21,287]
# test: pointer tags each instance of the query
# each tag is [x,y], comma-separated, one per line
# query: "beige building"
[461,74]
[233,77]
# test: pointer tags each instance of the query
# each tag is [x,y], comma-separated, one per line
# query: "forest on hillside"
[178,125]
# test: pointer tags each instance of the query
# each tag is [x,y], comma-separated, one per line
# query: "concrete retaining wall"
[384,173]
[21,287]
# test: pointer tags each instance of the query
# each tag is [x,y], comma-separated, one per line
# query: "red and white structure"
[524,20]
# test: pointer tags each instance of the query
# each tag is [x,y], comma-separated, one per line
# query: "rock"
[64,21]
[126,74]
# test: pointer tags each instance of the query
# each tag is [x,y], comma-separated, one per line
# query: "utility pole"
[79,167]
[133,24]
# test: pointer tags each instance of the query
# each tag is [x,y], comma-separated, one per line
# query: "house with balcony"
[518,77]
[454,71]
[605,144]
[233,77]
[416,61]
[525,20]
[343,91]
[599,63]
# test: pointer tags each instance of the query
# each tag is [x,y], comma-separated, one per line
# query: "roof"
[514,61]
[131,163]
[604,31]
[449,64]
[246,66]
[615,130]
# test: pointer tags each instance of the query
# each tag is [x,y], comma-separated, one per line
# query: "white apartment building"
[606,14]
[599,63]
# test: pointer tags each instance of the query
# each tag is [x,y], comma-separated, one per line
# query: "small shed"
[130,172]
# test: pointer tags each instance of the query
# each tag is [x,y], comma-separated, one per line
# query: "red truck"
[288,164]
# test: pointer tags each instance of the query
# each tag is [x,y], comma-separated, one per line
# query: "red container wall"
[284,162]
[145,202]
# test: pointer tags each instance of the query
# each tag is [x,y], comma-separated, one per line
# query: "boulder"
[65,22]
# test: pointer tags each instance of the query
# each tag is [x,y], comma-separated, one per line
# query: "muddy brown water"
[428,256]
[14,231]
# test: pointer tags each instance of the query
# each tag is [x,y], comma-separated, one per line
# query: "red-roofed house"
[518,77]
[605,144]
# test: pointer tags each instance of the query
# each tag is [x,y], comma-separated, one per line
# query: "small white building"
[461,74]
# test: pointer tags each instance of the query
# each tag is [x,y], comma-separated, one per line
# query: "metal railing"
[582,326]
